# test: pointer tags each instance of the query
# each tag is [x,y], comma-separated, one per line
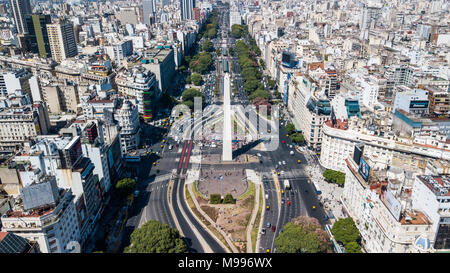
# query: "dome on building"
[422,243]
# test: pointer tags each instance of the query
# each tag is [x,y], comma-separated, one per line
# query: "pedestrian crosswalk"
[160,178]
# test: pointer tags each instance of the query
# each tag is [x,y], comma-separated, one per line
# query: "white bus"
[317,188]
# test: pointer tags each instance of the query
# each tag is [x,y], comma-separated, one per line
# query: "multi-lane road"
[153,178]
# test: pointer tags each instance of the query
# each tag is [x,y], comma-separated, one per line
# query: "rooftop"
[439,185]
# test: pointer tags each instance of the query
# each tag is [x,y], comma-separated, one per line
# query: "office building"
[62,40]
[20,9]
[37,34]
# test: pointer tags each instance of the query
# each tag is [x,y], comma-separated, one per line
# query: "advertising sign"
[364,169]
[392,204]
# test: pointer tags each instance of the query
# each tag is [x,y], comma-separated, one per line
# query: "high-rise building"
[148,10]
[20,9]
[61,36]
[186,7]
[37,34]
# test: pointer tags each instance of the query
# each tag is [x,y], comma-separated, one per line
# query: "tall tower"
[148,10]
[20,9]
[186,7]
[61,36]
[37,34]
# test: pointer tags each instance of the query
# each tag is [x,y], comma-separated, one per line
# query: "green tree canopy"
[236,31]
[215,198]
[290,128]
[201,62]
[297,138]
[229,199]
[125,186]
[352,247]
[334,176]
[190,94]
[197,79]
[188,80]
[251,85]
[303,235]
[208,45]
[259,93]
[345,230]
[167,100]
[156,237]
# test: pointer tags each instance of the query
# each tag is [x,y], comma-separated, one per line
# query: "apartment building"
[46,216]
[309,112]
[385,224]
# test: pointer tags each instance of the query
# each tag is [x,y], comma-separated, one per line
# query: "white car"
[279,163]
[284,162]
[258,154]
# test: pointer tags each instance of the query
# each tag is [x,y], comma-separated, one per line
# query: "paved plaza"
[225,181]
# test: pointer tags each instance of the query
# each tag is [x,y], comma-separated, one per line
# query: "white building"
[414,101]
[385,227]
[339,140]
[431,194]
[120,51]
[16,79]
[53,227]
[128,118]
[309,112]
[235,18]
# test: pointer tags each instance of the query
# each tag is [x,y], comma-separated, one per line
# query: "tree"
[212,32]
[271,83]
[345,230]
[208,45]
[297,138]
[229,199]
[236,31]
[259,94]
[215,198]
[290,128]
[334,176]
[190,94]
[156,237]
[188,80]
[125,186]
[352,247]
[167,100]
[250,86]
[302,235]
[197,79]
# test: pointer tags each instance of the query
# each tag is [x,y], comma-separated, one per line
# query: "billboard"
[392,204]
[364,169]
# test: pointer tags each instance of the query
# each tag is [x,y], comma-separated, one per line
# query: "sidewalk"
[252,221]
[330,192]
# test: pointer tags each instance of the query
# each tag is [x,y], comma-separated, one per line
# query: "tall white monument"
[227,152]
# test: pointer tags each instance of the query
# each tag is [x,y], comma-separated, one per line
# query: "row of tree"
[334,176]
[346,232]
[251,75]
[210,29]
